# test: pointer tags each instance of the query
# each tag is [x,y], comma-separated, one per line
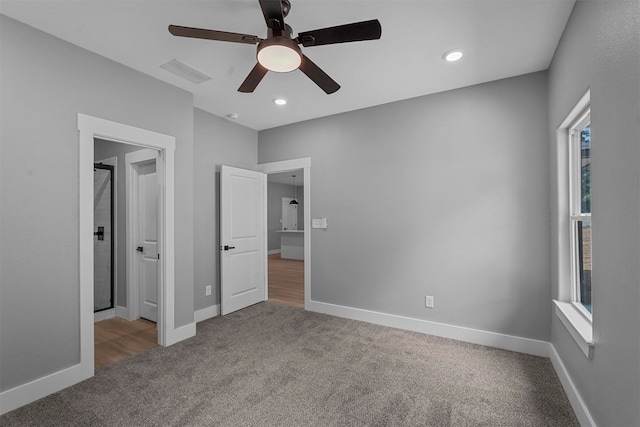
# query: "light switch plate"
[319,223]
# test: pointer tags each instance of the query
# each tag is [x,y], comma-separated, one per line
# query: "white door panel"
[242,239]
[243,272]
[148,238]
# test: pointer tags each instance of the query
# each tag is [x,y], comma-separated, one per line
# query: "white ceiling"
[500,38]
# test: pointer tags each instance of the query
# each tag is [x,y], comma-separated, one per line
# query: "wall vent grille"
[185,71]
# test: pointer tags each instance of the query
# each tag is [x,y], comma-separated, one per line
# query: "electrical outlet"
[428,301]
[207,290]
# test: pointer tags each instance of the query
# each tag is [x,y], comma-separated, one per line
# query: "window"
[573,153]
[580,212]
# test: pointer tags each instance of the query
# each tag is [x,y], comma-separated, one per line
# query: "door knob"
[140,249]
[227,247]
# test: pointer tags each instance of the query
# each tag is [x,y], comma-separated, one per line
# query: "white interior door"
[148,240]
[242,249]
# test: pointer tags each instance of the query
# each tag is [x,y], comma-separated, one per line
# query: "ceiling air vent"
[185,71]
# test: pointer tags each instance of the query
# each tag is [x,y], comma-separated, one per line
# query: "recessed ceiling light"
[452,55]
[280,101]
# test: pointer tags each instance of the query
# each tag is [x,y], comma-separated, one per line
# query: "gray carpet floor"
[271,365]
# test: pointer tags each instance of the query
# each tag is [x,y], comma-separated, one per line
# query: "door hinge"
[158,256]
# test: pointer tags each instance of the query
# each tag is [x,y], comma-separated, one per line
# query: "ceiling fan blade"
[255,76]
[318,76]
[357,31]
[273,16]
[223,36]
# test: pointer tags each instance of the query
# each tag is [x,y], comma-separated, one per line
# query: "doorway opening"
[128,199]
[285,238]
[301,270]
[90,128]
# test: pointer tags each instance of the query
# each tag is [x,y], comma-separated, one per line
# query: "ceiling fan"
[280,52]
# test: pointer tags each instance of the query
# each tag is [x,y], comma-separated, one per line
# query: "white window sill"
[579,327]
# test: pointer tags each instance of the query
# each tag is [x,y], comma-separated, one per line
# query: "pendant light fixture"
[295,192]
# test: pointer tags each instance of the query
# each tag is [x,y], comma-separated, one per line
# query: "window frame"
[573,316]
[575,207]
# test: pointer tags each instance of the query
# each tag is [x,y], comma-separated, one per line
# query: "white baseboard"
[578,405]
[104,315]
[274,251]
[41,387]
[181,333]
[122,312]
[475,336]
[207,313]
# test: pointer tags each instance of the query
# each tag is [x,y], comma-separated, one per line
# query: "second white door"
[147,192]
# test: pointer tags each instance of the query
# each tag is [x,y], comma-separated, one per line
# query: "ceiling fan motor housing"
[279,53]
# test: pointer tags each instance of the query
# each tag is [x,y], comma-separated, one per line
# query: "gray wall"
[444,195]
[217,142]
[103,150]
[600,50]
[45,83]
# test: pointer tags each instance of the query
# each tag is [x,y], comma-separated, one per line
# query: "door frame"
[289,166]
[90,128]
[132,159]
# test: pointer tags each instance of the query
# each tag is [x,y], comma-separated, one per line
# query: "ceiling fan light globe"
[280,56]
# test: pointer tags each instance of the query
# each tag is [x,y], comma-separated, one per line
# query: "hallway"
[286,281]
[116,339]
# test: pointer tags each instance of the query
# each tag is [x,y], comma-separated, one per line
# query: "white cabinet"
[292,244]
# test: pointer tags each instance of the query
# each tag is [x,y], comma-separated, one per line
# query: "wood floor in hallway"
[116,339]
[286,281]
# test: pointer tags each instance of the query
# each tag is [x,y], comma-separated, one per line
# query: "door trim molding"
[90,128]
[286,166]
